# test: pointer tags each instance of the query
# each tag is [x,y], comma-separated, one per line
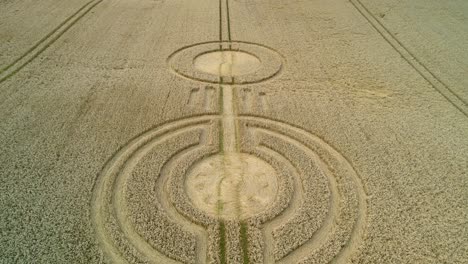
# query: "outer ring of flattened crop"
[181,62]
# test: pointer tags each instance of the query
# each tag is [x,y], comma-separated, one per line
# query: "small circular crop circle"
[232,185]
[235,62]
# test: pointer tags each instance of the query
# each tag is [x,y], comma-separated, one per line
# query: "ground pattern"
[249,160]
[228,188]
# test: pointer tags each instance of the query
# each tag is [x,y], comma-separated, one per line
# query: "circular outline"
[115,163]
[311,142]
[181,62]
[186,208]
[113,167]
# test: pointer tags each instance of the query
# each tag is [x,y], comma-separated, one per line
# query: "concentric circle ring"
[182,62]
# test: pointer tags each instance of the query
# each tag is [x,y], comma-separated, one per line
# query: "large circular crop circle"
[293,187]
[233,62]
[232,185]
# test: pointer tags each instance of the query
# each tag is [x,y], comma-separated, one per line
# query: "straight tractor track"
[231,104]
[440,86]
[32,53]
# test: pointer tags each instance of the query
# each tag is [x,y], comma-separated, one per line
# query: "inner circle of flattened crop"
[227,63]
[233,185]
[233,62]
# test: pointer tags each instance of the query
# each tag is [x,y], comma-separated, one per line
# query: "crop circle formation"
[234,62]
[228,188]
[149,202]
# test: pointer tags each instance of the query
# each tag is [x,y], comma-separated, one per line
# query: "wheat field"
[233,131]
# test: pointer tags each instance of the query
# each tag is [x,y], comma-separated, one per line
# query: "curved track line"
[224,42]
[305,132]
[180,62]
[359,226]
[412,60]
[119,204]
[262,80]
[288,213]
[46,41]
[114,164]
[324,231]
[171,211]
